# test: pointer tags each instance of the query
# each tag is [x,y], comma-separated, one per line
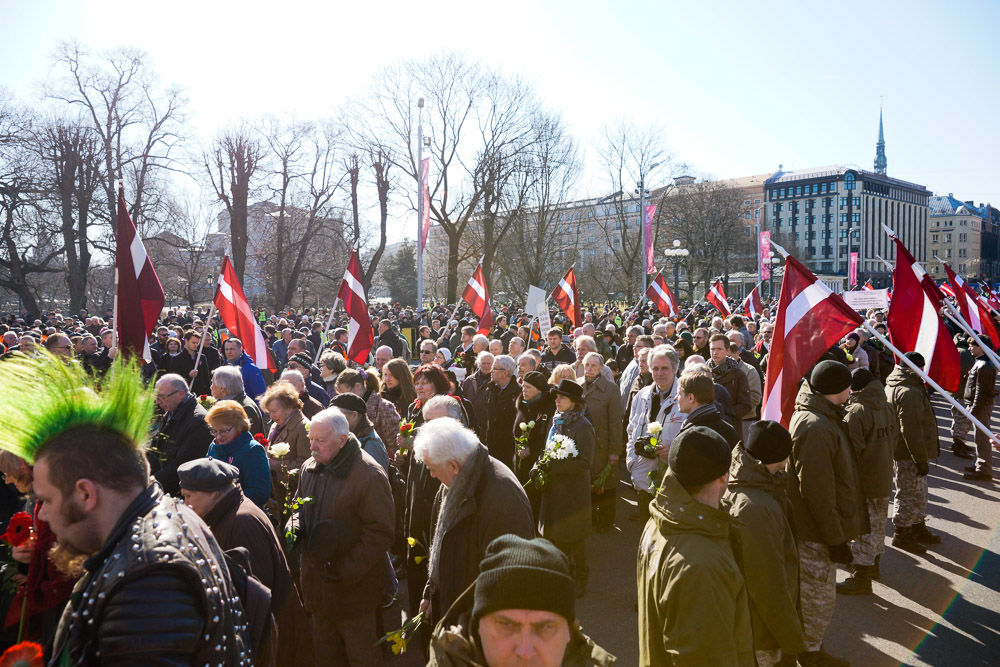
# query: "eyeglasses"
[221,431]
[160,397]
[426,351]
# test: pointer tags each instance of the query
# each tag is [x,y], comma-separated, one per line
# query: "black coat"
[501,410]
[183,363]
[488,502]
[539,411]
[183,437]
[565,512]
[709,416]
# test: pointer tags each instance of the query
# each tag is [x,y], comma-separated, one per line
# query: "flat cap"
[207,475]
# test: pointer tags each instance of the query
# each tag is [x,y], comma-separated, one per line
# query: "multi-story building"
[964,235]
[826,213]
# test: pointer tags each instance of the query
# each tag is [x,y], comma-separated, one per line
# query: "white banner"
[536,295]
[544,322]
[865,299]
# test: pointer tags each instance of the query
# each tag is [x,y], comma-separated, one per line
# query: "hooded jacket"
[872,425]
[916,439]
[692,599]
[825,488]
[766,551]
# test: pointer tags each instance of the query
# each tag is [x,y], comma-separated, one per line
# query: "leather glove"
[922,468]
[640,448]
[841,553]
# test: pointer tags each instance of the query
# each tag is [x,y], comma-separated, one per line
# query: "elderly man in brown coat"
[344,532]
[479,500]
[604,405]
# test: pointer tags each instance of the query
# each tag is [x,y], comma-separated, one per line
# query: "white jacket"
[670,417]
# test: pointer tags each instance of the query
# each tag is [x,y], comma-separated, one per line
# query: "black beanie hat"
[349,401]
[768,441]
[829,377]
[698,455]
[916,358]
[536,380]
[302,359]
[523,574]
[860,377]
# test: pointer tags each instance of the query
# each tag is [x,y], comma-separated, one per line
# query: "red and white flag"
[717,298]
[234,309]
[753,305]
[990,296]
[567,297]
[139,297]
[425,216]
[914,322]
[477,295]
[660,294]
[946,288]
[811,319]
[360,335]
[976,313]
[868,286]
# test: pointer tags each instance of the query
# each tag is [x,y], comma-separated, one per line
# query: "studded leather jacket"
[158,593]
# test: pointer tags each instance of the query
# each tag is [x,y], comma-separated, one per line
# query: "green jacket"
[917,438]
[692,599]
[766,552]
[871,423]
[453,646]
[825,488]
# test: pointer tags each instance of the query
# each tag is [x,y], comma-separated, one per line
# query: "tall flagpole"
[326,331]
[420,204]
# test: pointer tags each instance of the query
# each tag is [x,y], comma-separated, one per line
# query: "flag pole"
[955,316]
[326,330]
[926,378]
[114,305]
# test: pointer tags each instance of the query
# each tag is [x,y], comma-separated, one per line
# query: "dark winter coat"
[734,380]
[692,599]
[539,411]
[710,417]
[981,386]
[872,425]
[474,390]
[345,577]
[484,502]
[183,437]
[604,411]
[565,511]
[825,488]
[917,437]
[766,551]
[501,411]
[183,363]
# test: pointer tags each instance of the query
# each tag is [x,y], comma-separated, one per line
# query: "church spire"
[880,161]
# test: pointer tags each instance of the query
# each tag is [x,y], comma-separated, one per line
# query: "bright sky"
[741,87]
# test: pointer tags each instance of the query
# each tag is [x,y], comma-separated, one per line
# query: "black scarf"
[341,463]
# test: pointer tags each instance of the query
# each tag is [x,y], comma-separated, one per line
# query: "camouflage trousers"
[960,425]
[909,505]
[868,546]
[817,591]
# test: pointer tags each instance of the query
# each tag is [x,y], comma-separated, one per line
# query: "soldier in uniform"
[872,425]
[915,443]
[979,392]
[960,424]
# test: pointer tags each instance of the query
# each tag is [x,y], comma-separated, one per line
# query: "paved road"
[938,609]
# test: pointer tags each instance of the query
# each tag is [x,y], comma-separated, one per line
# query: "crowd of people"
[199,509]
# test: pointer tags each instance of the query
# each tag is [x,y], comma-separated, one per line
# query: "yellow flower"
[419,559]
[411,541]
[398,643]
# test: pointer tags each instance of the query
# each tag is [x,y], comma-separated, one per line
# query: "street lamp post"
[774,264]
[676,254]
[641,191]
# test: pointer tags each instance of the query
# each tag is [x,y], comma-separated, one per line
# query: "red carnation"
[259,437]
[25,654]
[18,530]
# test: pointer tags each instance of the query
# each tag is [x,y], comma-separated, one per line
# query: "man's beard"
[67,557]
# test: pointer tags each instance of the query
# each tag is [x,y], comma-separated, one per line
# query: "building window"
[843,202]
[756,214]
[756,201]
[849,181]
[747,215]
[746,202]
[947,253]
[855,217]
[857,201]
[843,217]
[822,187]
[782,192]
[815,188]
[798,190]
[833,186]
[934,238]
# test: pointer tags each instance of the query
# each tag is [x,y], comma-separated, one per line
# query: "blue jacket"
[253,379]
[373,444]
[249,456]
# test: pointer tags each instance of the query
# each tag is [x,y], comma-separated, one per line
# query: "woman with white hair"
[479,500]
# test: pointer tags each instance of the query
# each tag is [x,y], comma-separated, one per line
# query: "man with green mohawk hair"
[154,588]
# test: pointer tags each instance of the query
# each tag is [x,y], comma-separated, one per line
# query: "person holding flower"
[535,407]
[283,405]
[565,512]
[235,445]
[42,588]
[605,412]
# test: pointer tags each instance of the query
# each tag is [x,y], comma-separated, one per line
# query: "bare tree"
[628,154]
[185,260]
[708,218]
[478,121]
[136,122]
[232,163]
